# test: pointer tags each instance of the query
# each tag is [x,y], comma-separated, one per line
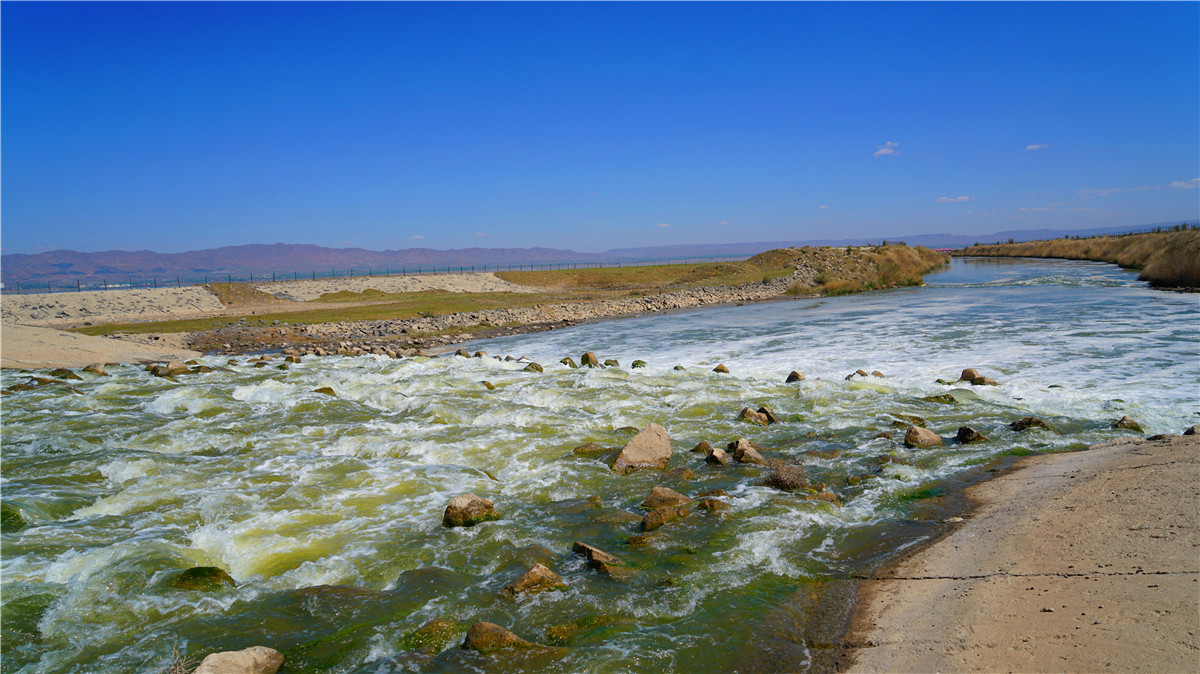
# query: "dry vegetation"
[1168,259]
[880,267]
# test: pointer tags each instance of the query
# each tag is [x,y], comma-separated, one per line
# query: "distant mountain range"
[62,268]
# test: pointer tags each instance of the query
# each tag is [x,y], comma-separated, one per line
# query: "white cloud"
[953,200]
[416,237]
[479,234]
[662,224]
[1186,184]
[887,148]
[1104,192]
[723,222]
[823,207]
[1036,146]
[593,224]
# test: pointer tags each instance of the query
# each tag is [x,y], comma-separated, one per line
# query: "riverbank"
[1168,259]
[405,315]
[1086,561]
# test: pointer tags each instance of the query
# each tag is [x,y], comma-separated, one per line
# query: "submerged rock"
[984,381]
[538,579]
[921,437]
[467,510]
[589,448]
[326,390]
[650,448]
[253,660]
[432,637]
[795,376]
[1029,422]
[64,373]
[488,385]
[1128,423]
[11,518]
[753,417]
[205,578]
[533,367]
[660,516]
[638,364]
[967,435]
[702,447]
[612,362]
[721,368]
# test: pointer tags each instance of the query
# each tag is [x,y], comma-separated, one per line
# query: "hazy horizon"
[589,126]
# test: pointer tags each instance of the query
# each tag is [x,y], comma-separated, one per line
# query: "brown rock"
[1029,422]
[984,381]
[772,418]
[744,451]
[681,473]
[660,516]
[596,556]
[479,354]
[253,660]
[488,385]
[533,367]
[795,376]
[589,448]
[753,417]
[717,456]
[967,435]
[538,579]
[712,505]
[702,447]
[96,368]
[662,496]
[921,437]
[463,352]
[467,510]
[968,374]
[485,637]
[1127,423]
[569,362]
[326,390]
[861,373]
[877,373]
[721,368]
[589,359]
[825,496]
[651,448]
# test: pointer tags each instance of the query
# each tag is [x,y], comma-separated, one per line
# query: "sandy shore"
[27,347]
[1088,561]
[303,291]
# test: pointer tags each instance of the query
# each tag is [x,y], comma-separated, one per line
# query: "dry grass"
[1168,259]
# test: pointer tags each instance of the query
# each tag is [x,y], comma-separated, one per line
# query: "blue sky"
[588,126]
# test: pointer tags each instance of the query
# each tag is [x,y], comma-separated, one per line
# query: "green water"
[326,511]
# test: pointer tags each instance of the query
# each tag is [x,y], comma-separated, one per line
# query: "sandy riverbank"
[1088,561]
[28,347]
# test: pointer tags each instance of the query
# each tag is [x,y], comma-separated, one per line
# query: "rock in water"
[702,447]
[467,510]
[660,516]
[1129,424]
[921,437]
[721,368]
[484,637]
[744,451]
[569,362]
[753,417]
[638,364]
[968,374]
[772,418]
[96,368]
[795,376]
[533,367]
[717,456]
[463,353]
[203,578]
[967,435]
[589,359]
[538,579]
[1029,422]
[662,496]
[1193,430]
[651,448]
[984,381]
[612,362]
[253,660]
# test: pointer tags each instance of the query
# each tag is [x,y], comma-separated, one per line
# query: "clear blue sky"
[182,126]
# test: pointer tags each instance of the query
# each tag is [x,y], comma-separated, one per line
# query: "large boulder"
[589,359]
[651,448]
[467,510]
[969,374]
[717,456]
[203,578]
[921,437]
[253,660]
[538,579]
[485,637]
[662,496]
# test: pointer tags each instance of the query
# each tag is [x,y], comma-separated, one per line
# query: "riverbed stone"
[721,368]
[984,381]
[767,412]
[638,364]
[967,435]
[589,449]
[921,437]
[326,390]
[753,417]
[569,362]
[663,496]
[64,373]
[717,456]
[712,505]
[485,637]
[253,660]
[612,362]
[432,637]
[968,374]
[488,385]
[539,578]
[1126,422]
[97,369]
[1029,422]
[660,516]
[795,376]
[467,510]
[744,451]
[787,477]
[702,447]
[205,578]
[589,359]
[533,367]
[595,556]
[463,353]
[650,448]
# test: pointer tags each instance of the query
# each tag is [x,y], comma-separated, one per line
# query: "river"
[326,510]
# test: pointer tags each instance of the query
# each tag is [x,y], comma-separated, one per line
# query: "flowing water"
[327,510]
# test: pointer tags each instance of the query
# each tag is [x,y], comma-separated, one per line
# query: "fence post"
[77,288]
[105,283]
[177,283]
[272,277]
[229,278]
[156,283]
[49,289]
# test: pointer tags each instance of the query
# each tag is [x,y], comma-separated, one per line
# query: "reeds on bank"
[1168,259]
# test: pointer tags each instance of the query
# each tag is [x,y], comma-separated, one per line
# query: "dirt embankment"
[1169,259]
